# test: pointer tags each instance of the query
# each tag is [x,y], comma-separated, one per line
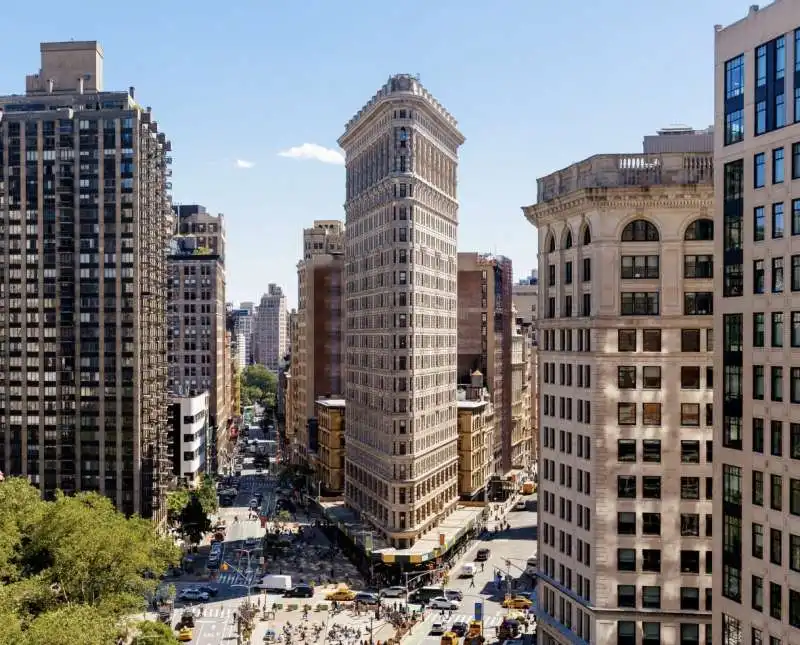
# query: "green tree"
[194,520]
[207,493]
[71,564]
[259,385]
[176,502]
[151,633]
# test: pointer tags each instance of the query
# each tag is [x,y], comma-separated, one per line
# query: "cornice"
[620,199]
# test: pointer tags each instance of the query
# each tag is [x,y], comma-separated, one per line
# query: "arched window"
[550,244]
[640,230]
[700,229]
[568,240]
[587,236]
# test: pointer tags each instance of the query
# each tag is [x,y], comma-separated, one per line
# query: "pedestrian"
[472,583]
[483,566]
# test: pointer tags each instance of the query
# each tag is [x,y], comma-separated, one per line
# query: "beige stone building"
[525,295]
[198,349]
[476,427]
[330,458]
[520,443]
[85,218]
[757,323]
[625,355]
[291,390]
[317,340]
[271,329]
[400,300]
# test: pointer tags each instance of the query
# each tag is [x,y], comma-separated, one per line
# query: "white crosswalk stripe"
[232,578]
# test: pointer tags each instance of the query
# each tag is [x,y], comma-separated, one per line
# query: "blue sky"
[534,85]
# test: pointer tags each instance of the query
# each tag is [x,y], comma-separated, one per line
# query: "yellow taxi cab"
[185,635]
[517,602]
[342,594]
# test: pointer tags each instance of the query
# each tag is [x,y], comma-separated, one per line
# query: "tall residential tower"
[86,218]
[400,307]
[271,329]
[757,322]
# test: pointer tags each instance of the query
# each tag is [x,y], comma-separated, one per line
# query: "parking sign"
[478,611]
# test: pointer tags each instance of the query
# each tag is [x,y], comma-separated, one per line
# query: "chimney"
[50,83]
[132,91]
[80,84]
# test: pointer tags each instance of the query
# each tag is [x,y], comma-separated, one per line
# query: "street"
[509,552]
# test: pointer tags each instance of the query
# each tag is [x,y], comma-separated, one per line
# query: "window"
[626,487]
[651,487]
[757,540]
[690,525]
[626,523]
[776,383]
[759,170]
[690,377]
[651,560]
[795,330]
[778,224]
[698,266]
[777,329]
[690,561]
[777,275]
[777,166]
[700,229]
[626,450]
[795,160]
[626,377]
[651,523]
[626,559]
[651,414]
[732,432]
[776,438]
[775,492]
[626,414]
[626,632]
[758,276]
[761,117]
[640,230]
[757,591]
[690,488]
[758,488]
[651,377]
[587,270]
[651,633]
[795,276]
[568,272]
[758,329]
[626,340]
[758,435]
[698,303]
[690,340]
[690,414]
[639,267]
[775,546]
[651,597]
[639,303]
[734,94]
[758,382]
[794,498]
[651,340]
[626,595]
[758,223]
[690,598]
[651,451]
[690,452]
[775,601]
[587,236]
[794,385]
[794,440]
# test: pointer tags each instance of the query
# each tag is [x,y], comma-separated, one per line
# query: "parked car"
[454,594]
[482,555]
[392,592]
[521,505]
[443,603]
[299,591]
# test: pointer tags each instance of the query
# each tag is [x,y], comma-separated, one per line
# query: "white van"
[276,583]
[468,570]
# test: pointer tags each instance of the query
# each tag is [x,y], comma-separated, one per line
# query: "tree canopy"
[259,385]
[73,569]
[200,502]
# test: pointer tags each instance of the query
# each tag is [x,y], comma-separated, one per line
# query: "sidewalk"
[503,509]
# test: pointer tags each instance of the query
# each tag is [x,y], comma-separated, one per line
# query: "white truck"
[276,583]
[468,570]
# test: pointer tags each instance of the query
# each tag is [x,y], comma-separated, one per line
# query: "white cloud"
[243,164]
[314,152]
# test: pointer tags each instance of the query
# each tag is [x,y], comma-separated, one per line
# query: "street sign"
[478,611]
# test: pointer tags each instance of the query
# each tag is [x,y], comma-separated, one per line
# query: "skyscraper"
[757,322]
[271,329]
[86,218]
[400,343]
[197,348]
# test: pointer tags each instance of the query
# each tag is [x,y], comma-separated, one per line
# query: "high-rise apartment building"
[519,449]
[757,322]
[317,345]
[86,218]
[485,325]
[525,295]
[400,342]
[625,351]
[197,348]
[242,329]
[271,329]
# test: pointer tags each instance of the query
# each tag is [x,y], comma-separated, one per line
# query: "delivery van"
[468,570]
[276,583]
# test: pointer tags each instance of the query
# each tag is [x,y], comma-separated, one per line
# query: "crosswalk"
[489,622]
[233,578]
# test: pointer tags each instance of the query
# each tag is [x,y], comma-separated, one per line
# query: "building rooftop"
[331,403]
[471,405]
